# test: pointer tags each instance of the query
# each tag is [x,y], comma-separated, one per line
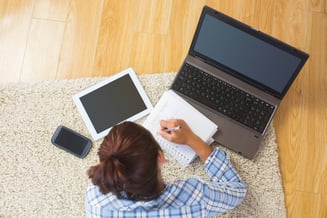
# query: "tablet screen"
[112,101]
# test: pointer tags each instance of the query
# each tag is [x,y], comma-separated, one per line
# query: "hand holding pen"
[179,132]
[169,130]
[175,130]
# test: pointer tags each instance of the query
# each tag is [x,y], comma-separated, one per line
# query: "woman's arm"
[226,189]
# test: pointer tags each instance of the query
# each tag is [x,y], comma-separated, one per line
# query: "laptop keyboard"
[223,97]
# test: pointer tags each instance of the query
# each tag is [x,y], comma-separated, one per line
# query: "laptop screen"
[246,53]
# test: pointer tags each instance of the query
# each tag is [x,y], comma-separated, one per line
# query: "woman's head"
[128,163]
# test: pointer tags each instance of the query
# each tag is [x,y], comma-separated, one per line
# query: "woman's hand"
[184,135]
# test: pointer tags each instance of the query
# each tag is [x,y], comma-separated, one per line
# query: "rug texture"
[39,180]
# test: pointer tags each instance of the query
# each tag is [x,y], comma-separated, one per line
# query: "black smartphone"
[71,141]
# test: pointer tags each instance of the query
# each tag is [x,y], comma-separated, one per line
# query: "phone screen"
[71,141]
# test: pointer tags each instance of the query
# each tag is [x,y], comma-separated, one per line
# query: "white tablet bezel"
[86,118]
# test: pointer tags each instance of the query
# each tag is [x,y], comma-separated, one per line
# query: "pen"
[172,129]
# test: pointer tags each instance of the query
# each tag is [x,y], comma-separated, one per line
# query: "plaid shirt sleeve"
[226,189]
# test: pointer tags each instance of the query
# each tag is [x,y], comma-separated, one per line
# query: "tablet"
[119,98]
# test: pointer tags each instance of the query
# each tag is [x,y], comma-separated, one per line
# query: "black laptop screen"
[266,64]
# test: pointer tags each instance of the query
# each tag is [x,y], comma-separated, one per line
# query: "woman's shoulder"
[183,191]
[191,183]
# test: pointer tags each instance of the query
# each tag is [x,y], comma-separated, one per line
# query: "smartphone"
[71,141]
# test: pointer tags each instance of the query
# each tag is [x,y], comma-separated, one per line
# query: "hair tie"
[114,155]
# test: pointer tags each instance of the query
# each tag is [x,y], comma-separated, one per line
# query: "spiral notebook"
[172,106]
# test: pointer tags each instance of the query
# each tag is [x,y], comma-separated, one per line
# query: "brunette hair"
[128,163]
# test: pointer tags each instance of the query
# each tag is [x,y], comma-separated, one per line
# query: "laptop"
[237,77]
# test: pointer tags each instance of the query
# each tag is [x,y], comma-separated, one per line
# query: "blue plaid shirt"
[184,198]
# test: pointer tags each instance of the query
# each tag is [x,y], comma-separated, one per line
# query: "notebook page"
[172,106]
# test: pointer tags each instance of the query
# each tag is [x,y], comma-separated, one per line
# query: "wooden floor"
[62,39]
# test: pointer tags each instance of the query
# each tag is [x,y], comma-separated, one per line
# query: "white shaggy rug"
[40,180]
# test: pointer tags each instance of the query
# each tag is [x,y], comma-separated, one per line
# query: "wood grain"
[310,205]
[313,174]
[115,38]
[14,29]
[287,123]
[51,9]
[42,50]
[148,52]
[80,39]
[184,17]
